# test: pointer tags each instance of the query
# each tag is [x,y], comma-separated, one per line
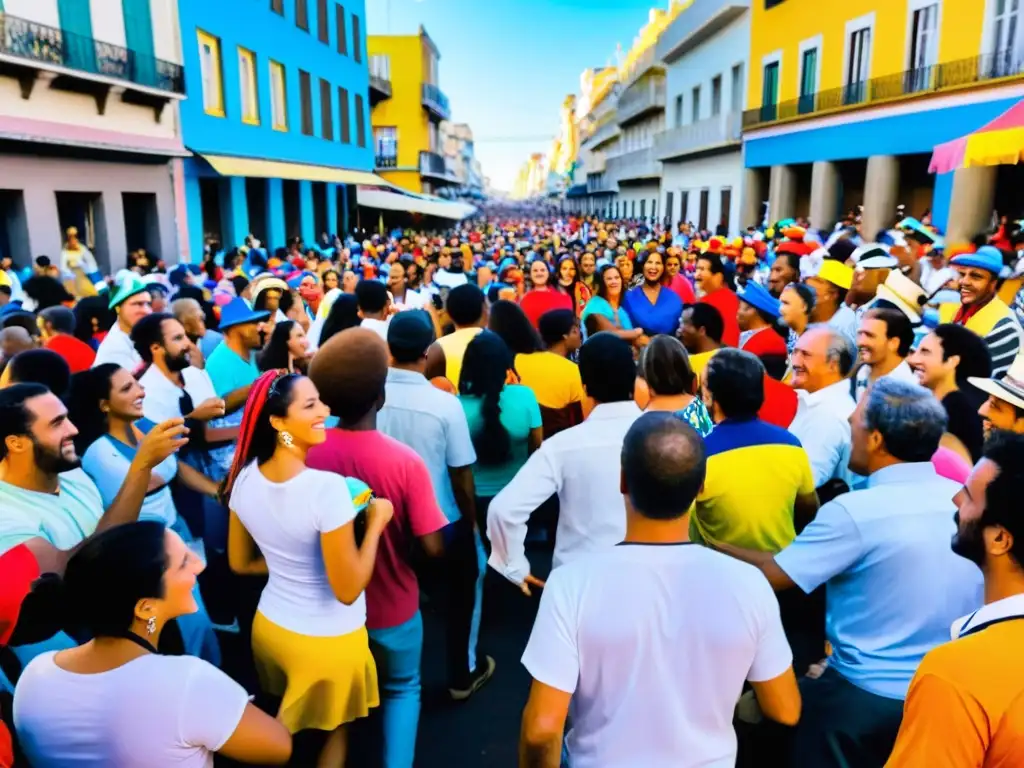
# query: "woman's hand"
[378,515]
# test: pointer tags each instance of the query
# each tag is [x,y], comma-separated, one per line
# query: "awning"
[274,169]
[428,206]
[1001,142]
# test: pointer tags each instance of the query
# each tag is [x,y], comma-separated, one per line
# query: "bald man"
[15,339]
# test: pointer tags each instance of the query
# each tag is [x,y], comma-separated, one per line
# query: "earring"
[287,439]
[151,625]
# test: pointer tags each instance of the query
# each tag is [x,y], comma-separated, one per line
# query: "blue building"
[277,118]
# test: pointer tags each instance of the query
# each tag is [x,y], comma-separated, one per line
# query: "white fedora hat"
[1009,388]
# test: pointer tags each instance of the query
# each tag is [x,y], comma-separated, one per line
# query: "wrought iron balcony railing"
[910,83]
[435,100]
[386,161]
[36,42]
[434,165]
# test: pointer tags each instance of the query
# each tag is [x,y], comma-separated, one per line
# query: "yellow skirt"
[324,682]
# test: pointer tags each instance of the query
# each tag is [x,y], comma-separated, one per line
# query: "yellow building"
[408,145]
[849,100]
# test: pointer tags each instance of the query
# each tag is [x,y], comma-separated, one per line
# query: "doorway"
[319,210]
[141,223]
[14,227]
[292,211]
[209,203]
[256,202]
[84,211]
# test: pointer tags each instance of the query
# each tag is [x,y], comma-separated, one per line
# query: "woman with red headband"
[309,635]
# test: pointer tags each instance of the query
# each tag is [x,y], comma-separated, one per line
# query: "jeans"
[397,652]
[465,570]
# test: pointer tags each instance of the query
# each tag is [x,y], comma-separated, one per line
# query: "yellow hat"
[837,273]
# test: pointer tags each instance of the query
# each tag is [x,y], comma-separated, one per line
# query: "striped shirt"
[1003,343]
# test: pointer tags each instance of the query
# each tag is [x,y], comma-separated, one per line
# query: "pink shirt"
[951,465]
[681,287]
[396,473]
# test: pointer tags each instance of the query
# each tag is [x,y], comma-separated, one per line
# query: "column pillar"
[111,242]
[194,212]
[43,226]
[941,194]
[971,202]
[781,193]
[181,214]
[234,212]
[275,233]
[332,209]
[825,185]
[881,193]
[307,225]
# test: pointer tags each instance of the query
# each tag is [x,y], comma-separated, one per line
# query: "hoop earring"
[287,439]
[151,625]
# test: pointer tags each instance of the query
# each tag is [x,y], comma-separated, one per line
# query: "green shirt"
[228,372]
[519,415]
[64,518]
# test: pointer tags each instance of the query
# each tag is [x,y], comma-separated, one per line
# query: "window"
[684,205]
[278,97]
[808,80]
[302,15]
[357,40]
[716,95]
[643,209]
[385,146]
[247,85]
[770,91]
[1006,41]
[858,66]
[633,209]
[725,206]
[339,22]
[695,115]
[654,209]
[736,94]
[306,102]
[322,21]
[326,111]
[924,45]
[277,6]
[360,121]
[702,220]
[679,111]
[209,66]
[343,116]
[668,208]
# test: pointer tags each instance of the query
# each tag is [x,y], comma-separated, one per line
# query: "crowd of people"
[777,473]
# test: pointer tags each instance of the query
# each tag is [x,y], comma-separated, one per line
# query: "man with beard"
[44,494]
[966,702]
[893,584]
[785,270]
[1004,408]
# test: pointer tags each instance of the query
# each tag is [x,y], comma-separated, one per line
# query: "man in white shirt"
[132,302]
[403,297]
[374,306]
[821,361]
[652,666]
[883,343]
[574,464]
[449,273]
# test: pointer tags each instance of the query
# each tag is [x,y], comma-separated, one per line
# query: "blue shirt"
[228,372]
[661,317]
[894,586]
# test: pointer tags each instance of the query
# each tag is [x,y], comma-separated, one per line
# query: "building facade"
[848,100]
[278,118]
[700,149]
[598,136]
[460,157]
[89,128]
[407,136]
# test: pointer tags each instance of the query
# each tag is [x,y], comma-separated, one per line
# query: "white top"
[431,422]
[153,712]
[411,300]
[117,347]
[445,279]
[163,396]
[286,520]
[822,424]
[380,327]
[655,665]
[574,464]
[902,372]
[931,278]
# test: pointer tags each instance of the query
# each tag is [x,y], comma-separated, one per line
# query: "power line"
[512,139]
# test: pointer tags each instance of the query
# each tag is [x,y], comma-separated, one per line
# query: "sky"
[507,65]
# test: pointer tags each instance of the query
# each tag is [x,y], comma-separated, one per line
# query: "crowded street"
[661,414]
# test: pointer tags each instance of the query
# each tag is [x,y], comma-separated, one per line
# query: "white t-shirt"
[380,327]
[163,396]
[152,712]
[655,642]
[117,347]
[286,520]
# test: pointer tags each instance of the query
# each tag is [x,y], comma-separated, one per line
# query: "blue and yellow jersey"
[755,472]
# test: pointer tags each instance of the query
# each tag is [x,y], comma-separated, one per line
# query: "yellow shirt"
[555,381]
[454,347]
[965,706]
[700,361]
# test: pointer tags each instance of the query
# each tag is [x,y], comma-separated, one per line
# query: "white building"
[700,150]
[89,128]
[598,136]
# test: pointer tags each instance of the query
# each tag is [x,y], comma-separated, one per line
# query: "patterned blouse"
[696,415]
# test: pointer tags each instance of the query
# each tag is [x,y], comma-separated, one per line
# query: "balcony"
[633,166]
[434,166]
[385,162]
[603,134]
[902,86]
[720,132]
[648,61]
[84,65]
[435,102]
[600,184]
[702,20]
[644,97]
[380,79]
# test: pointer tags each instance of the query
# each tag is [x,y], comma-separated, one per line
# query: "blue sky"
[506,65]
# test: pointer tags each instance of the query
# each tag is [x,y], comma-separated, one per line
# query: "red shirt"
[728,304]
[79,355]
[780,403]
[18,569]
[681,287]
[396,473]
[764,343]
[536,303]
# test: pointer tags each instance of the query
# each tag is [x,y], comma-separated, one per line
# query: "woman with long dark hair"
[652,305]
[508,320]
[344,314]
[504,419]
[115,701]
[287,349]
[543,294]
[298,524]
[570,284]
[605,310]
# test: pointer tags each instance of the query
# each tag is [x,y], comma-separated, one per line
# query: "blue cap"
[238,312]
[758,297]
[988,257]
